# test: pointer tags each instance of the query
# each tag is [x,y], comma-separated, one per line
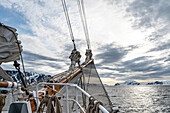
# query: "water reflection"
[141,99]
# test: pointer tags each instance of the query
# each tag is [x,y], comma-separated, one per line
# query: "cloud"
[110,54]
[143,67]
[161,74]
[168,58]
[144,64]
[113,58]
[34,57]
[140,68]
[13,18]
[46,64]
[150,15]
[161,47]
[141,64]
[139,77]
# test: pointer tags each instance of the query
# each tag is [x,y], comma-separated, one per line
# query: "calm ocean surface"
[141,99]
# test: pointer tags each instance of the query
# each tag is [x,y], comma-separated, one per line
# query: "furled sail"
[9,49]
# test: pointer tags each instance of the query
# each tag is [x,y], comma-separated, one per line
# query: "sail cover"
[9,50]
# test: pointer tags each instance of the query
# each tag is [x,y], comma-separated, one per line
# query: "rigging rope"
[68,21]
[110,103]
[84,21]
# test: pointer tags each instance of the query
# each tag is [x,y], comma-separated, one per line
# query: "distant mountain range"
[159,83]
[32,77]
[126,83]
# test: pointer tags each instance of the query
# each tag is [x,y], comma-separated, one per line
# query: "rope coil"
[93,107]
[47,101]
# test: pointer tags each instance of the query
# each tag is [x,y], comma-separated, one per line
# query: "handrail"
[72,85]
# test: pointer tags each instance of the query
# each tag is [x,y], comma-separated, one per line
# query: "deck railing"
[67,96]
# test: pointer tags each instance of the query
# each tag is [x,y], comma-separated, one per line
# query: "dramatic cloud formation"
[129,39]
[110,54]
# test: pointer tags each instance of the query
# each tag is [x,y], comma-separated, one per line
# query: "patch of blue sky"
[15,19]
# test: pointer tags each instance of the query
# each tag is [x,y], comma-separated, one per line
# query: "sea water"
[141,99]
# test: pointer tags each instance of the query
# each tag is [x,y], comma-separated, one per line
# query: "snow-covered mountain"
[32,77]
[159,83]
[127,83]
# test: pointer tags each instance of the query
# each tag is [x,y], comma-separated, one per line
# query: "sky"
[129,38]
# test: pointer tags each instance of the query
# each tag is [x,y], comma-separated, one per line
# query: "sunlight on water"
[141,99]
